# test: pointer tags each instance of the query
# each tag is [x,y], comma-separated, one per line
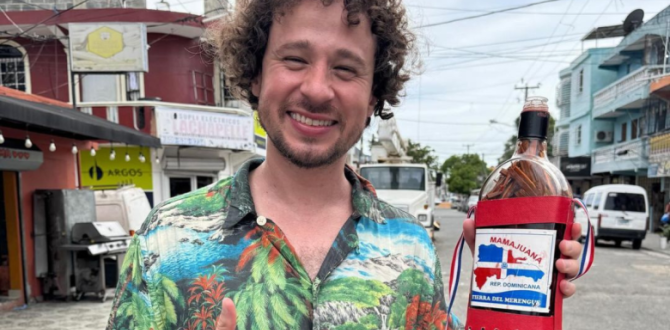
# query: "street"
[625,289]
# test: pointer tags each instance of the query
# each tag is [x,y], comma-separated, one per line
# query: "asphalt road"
[625,289]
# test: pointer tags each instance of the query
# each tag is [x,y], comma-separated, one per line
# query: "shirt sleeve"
[441,319]
[132,308]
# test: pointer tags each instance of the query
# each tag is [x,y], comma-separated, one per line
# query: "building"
[627,124]
[176,114]
[577,132]
[181,97]
[40,142]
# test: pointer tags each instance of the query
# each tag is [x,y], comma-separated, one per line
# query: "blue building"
[576,128]
[618,111]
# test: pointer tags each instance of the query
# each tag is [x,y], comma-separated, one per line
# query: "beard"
[309,158]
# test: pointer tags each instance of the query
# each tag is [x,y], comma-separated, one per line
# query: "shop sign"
[100,172]
[660,169]
[108,47]
[576,166]
[15,157]
[205,129]
[260,136]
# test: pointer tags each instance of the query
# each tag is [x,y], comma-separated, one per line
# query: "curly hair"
[240,41]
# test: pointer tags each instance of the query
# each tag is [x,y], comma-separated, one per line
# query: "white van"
[127,205]
[618,213]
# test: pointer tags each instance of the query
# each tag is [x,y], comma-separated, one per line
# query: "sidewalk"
[653,243]
[85,314]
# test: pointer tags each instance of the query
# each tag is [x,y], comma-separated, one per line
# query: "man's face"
[315,87]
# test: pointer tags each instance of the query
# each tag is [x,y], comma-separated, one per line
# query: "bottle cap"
[536,103]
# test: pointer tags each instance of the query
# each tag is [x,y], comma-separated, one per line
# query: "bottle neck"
[534,147]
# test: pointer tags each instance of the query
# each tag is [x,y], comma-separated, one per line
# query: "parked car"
[618,213]
[455,203]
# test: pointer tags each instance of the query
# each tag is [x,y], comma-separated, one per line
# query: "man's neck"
[284,182]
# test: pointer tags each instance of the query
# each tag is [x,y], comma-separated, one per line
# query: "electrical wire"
[512,12]
[486,14]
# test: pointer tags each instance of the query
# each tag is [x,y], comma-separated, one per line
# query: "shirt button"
[261,220]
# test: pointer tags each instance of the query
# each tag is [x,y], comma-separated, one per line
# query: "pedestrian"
[297,240]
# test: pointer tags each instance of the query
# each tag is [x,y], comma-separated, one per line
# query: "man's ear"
[256,86]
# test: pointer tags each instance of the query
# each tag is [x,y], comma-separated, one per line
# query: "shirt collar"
[241,204]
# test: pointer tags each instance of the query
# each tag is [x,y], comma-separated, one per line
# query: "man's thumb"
[228,317]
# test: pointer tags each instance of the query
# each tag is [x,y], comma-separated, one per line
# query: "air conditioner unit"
[604,136]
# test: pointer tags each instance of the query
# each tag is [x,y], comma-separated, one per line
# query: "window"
[227,98]
[633,130]
[396,178]
[596,200]
[184,184]
[203,90]
[588,200]
[132,86]
[625,202]
[113,114]
[624,128]
[12,68]
[581,80]
[578,135]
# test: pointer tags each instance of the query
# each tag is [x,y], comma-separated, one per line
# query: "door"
[11,276]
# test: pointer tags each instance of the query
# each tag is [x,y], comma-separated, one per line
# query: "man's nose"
[317,86]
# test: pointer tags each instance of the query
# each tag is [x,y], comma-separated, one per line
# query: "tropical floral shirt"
[381,272]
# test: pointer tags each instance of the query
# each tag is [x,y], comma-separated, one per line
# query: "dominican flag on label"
[513,269]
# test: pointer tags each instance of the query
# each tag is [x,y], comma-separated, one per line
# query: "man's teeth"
[311,122]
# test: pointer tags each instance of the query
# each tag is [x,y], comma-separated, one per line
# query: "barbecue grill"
[95,245]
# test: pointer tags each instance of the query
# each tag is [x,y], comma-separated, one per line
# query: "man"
[297,241]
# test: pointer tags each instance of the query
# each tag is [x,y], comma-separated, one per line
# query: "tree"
[421,154]
[466,172]
[510,145]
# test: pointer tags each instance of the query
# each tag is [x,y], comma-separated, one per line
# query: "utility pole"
[468,147]
[526,88]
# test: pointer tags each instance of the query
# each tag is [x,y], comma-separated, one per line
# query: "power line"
[513,12]
[486,14]
[442,123]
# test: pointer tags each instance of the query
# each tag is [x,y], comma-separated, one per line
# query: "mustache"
[310,107]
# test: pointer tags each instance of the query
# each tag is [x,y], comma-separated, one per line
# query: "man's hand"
[570,249]
[228,317]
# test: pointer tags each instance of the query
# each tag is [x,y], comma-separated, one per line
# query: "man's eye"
[294,60]
[345,69]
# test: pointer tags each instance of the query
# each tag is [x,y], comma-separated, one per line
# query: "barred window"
[12,68]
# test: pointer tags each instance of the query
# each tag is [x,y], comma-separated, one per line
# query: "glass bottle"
[529,173]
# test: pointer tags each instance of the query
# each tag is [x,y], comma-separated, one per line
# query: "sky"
[471,67]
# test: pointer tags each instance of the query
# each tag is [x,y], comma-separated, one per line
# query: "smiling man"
[298,240]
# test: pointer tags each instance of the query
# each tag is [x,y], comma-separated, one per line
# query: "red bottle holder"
[484,315]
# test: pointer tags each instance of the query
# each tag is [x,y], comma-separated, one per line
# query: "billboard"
[204,129]
[108,47]
[100,172]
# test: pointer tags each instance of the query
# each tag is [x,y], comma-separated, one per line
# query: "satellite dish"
[633,21]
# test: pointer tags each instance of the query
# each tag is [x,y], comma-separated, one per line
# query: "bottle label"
[513,269]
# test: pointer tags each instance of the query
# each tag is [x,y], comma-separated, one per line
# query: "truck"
[398,181]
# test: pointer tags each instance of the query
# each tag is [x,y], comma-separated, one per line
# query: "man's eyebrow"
[349,55]
[295,45]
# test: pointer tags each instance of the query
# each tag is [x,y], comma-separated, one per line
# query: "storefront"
[42,140]
[199,148]
[577,170]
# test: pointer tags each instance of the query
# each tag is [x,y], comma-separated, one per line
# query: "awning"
[66,122]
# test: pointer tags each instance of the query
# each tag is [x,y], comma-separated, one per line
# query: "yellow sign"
[100,172]
[260,136]
[105,42]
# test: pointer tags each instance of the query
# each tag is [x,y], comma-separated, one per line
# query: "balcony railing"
[659,148]
[622,156]
[625,85]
